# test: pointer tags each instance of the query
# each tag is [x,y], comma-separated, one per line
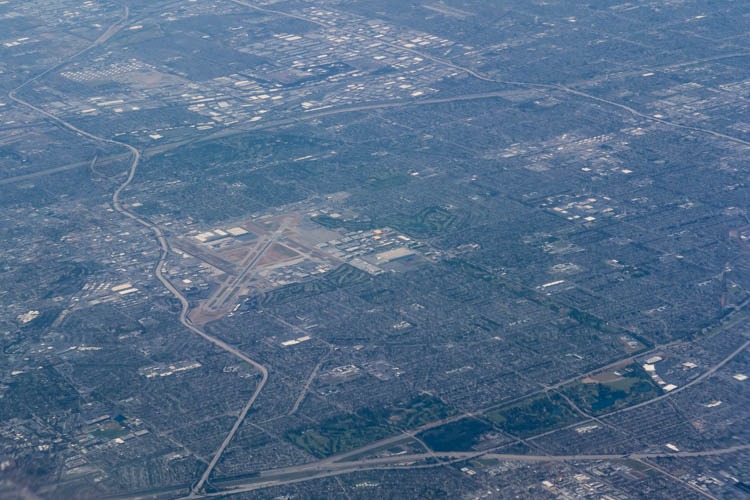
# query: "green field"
[542,413]
[111,430]
[456,436]
[340,433]
[633,387]
[348,431]
[419,411]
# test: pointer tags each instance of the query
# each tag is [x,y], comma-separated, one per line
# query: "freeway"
[157,232]
[649,117]
[541,86]
[346,462]
[693,382]
[335,465]
[55,170]
[422,460]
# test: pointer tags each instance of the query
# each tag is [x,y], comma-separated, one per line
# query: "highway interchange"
[339,464]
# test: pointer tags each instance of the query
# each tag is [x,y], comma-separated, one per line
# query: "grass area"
[540,414]
[456,436]
[111,430]
[340,433]
[551,411]
[419,411]
[349,431]
[632,387]
[625,384]
[526,418]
